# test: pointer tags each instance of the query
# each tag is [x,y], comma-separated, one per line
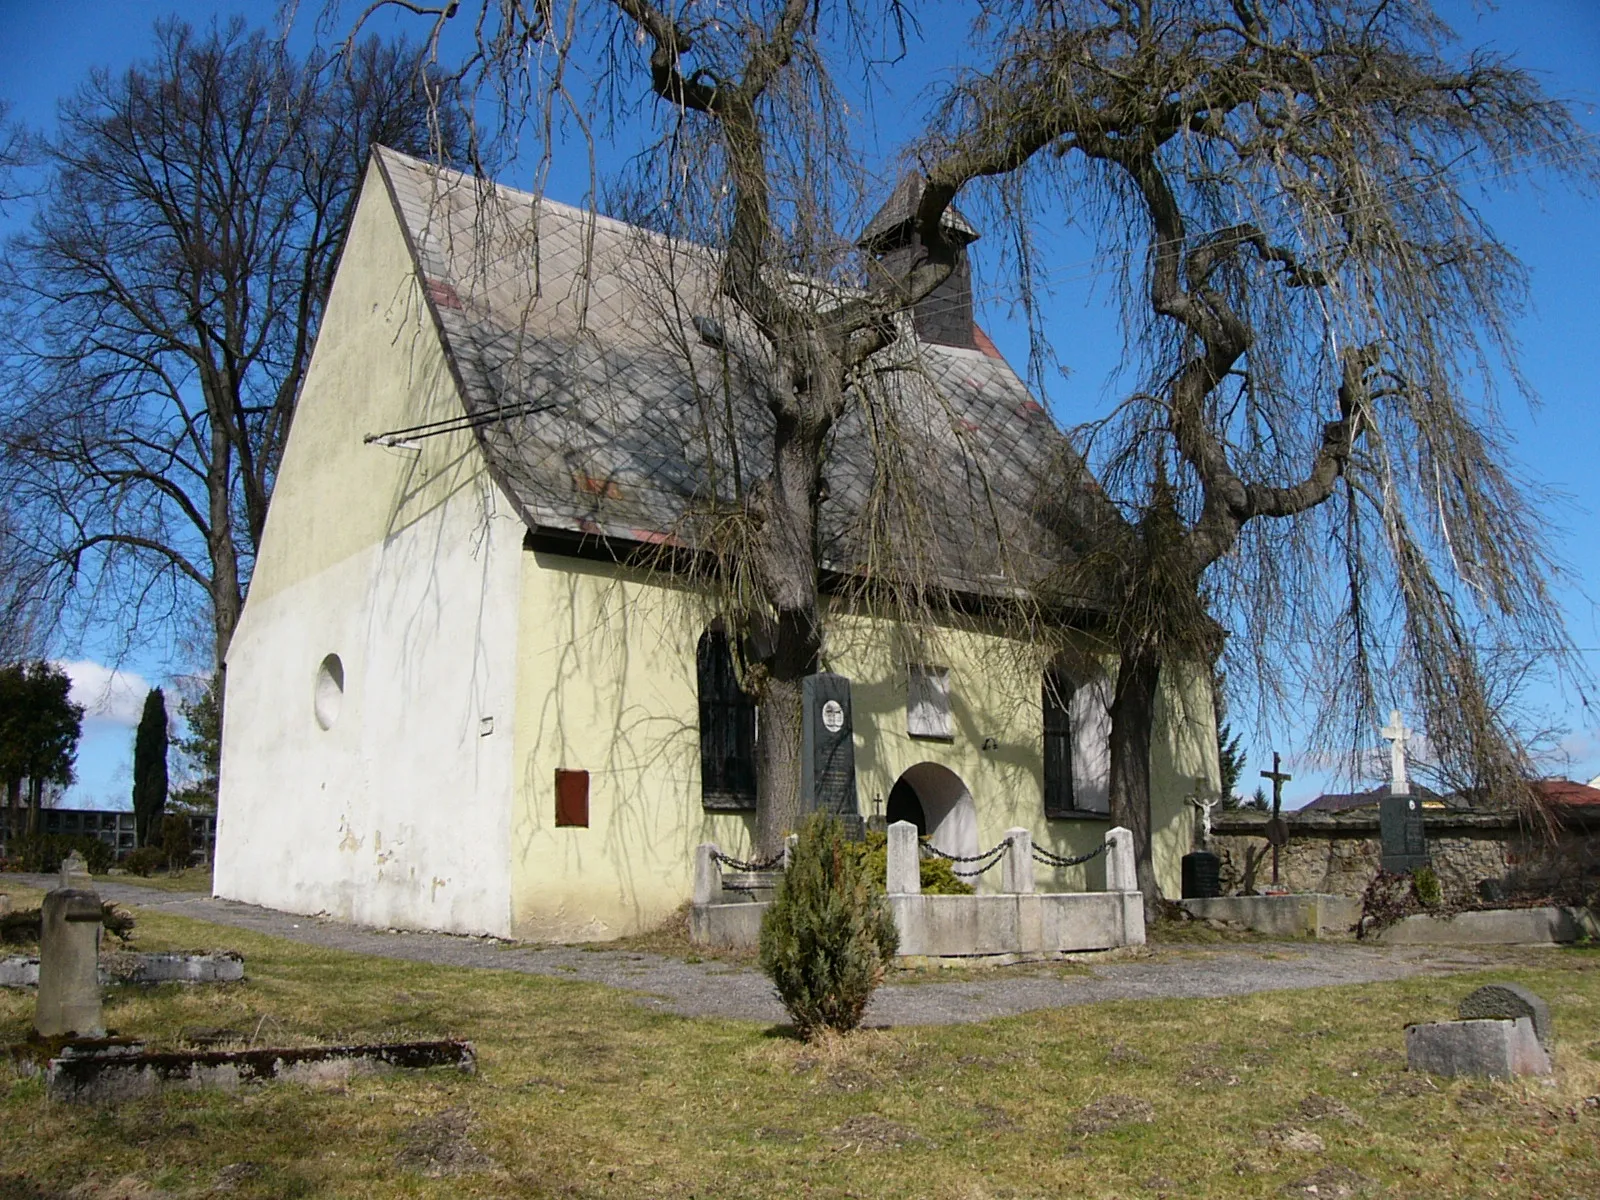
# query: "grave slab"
[98,1077]
[1493,1049]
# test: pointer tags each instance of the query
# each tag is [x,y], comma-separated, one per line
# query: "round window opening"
[329,692]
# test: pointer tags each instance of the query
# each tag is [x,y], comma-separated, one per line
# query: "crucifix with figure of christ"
[1276,832]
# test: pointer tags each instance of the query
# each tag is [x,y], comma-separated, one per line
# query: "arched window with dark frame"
[1058,690]
[727,729]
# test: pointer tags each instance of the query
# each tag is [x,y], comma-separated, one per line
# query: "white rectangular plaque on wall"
[928,703]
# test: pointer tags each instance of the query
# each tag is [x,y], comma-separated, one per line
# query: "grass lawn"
[581,1093]
[195,879]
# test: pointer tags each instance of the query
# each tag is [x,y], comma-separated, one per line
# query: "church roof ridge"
[594,353]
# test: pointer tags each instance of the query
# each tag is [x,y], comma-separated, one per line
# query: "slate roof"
[900,208]
[577,344]
[1345,801]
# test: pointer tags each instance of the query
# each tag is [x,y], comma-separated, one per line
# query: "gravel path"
[720,989]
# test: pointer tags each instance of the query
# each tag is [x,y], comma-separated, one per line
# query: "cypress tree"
[150,768]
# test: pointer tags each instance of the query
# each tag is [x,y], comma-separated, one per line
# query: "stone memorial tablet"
[1405,844]
[827,751]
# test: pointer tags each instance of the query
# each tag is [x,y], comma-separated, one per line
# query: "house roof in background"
[1568,794]
[1558,792]
[621,397]
[1345,801]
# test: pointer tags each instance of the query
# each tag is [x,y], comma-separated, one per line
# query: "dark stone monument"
[1405,844]
[828,751]
[1202,875]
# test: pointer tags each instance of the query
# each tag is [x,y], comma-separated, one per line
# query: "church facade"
[473,689]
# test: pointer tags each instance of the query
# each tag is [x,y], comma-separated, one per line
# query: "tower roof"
[894,219]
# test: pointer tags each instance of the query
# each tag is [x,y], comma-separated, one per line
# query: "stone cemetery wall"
[1339,853]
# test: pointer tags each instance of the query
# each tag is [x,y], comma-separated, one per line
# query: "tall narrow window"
[1077,743]
[727,729]
[928,703]
[1058,690]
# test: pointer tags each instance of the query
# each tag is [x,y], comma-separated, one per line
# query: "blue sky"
[51,48]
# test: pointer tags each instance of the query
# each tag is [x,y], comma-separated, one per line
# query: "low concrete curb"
[223,966]
[1305,914]
[1493,927]
[19,971]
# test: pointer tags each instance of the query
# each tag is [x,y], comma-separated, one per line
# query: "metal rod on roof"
[456,424]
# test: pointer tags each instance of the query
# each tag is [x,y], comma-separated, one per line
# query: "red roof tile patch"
[654,537]
[1030,408]
[444,296]
[1567,793]
[596,487]
[981,340]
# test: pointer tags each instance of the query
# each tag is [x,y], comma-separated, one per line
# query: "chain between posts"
[760,864]
[993,855]
[1055,860]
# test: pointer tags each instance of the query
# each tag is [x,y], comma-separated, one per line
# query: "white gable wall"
[406,564]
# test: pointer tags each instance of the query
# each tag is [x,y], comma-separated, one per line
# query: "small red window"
[572,798]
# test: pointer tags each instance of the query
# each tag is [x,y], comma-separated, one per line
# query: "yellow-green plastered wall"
[608,685]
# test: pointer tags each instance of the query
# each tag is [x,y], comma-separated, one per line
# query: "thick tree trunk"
[1133,713]
[227,594]
[779,806]
[787,555]
[35,803]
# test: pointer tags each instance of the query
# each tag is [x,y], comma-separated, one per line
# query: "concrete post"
[1120,873]
[69,965]
[905,867]
[707,875]
[1016,872]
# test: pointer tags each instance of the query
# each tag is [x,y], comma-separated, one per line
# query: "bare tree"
[746,149]
[21,615]
[1283,192]
[164,304]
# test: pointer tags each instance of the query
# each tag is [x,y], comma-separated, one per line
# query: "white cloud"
[108,695]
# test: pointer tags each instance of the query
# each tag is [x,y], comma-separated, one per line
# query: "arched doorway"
[935,800]
[906,805]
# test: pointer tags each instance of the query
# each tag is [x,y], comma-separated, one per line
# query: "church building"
[481,683]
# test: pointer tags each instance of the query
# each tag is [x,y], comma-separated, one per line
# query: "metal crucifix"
[1277,831]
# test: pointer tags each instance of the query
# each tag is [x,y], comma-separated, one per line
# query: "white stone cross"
[1397,733]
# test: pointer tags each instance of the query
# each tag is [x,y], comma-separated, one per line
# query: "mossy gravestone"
[1508,1001]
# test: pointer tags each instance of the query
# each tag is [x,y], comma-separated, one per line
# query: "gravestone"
[1405,843]
[828,751]
[1202,875]
[69,959]
[75,873]
[1508,1001]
